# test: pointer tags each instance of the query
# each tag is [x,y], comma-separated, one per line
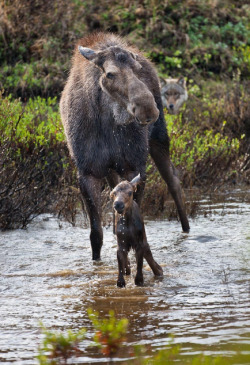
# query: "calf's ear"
[88,53]
[136,180]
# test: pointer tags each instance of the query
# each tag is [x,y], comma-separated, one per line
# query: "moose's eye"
[109,75]
[130,193]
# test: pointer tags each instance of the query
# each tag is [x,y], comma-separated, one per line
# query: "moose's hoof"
[121,283]
[96,256]
[139,280]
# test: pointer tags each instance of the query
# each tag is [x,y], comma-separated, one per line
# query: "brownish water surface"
[203,299]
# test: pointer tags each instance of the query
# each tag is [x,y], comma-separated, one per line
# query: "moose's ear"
[88,53]
[136,180]
[181,81]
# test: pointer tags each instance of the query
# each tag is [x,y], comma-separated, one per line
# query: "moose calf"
[130,231]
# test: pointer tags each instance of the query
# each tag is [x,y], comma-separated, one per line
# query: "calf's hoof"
[128,271]
[139,280]
[121,283]
[158,271]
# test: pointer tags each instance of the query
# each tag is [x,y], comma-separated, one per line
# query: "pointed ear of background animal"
[111,194]
[136,180]
[88,53]
[181,81]
[162,82]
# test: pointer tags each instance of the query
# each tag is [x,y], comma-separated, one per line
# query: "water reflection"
[203,298]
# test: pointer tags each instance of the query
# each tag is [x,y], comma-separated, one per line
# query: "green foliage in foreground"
[110,332]
[58,348]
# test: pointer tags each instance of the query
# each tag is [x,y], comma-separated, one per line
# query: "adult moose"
[112,115]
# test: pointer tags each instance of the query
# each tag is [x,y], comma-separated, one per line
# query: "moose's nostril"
[171,106]
[119,206]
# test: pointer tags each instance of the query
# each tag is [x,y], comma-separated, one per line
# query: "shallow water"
[203,299]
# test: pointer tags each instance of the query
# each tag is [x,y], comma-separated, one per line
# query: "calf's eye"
[130,193]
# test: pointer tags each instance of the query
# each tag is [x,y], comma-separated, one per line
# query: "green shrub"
[35,123]
[57,347]
[36,171]
[110,332]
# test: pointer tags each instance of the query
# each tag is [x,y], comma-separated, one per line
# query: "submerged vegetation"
[110,336]
[206,41]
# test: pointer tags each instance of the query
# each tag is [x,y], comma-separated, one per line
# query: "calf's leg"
[122,260]
[127,266]
[139,261]
[91,191]
[161,158]
[157,270]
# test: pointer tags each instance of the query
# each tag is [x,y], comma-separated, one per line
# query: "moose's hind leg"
[160,155]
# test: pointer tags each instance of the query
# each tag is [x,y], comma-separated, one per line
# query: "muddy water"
[203,298]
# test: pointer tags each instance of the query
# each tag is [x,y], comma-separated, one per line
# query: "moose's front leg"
[91,192]
[160,155]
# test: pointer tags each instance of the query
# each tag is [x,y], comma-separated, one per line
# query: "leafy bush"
[35,123]
[209,145]
[36,171]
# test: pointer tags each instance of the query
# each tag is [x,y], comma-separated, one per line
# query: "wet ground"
[203,299]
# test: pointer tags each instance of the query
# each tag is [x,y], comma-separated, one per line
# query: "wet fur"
[104,140]
[130,231]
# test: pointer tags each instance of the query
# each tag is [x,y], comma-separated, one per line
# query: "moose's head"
[121,80]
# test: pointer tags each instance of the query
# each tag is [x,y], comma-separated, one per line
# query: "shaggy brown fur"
[112,115]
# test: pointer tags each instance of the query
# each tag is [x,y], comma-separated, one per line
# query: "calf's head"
[120,79]
[122,194]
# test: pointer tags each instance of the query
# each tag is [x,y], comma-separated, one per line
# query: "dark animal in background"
[173,93]
[112,114]
[130,231]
